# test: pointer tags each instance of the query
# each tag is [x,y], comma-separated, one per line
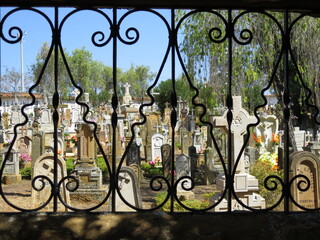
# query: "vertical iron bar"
[0,74]
[114,113]
[172,41]
[229,178]
[55,105]
[286,110]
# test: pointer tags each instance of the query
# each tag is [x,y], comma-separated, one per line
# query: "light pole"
[22,62]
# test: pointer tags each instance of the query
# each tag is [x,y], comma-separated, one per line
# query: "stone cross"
[127,87]
[240,121]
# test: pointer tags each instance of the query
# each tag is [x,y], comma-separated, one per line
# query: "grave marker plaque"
[307,164]
[128,186]
[44,166]
[133,155]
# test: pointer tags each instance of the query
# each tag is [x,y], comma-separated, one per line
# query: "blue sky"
[77,32]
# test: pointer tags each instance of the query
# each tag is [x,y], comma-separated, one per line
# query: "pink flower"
[24,157]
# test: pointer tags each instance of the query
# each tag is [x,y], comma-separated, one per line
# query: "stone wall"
[160,226]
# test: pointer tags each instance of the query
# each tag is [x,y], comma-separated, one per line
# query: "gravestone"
[183,168]
[76,115]
[128,186]
[38,143]
[300,138]
[156,143]
[16,116]
[11,173]
[166,160]
[211,170]
[133,155]
[313,147]
[44,165]
[68,116]
[86,171]
[152,128]
[193,160]
[307,164]
[127,99]
[186,140]
[137,170]
[244,183]
[249,157]
[24,145]
[197,142]
[5,119]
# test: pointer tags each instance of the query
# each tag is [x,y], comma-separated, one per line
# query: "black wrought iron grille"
[215,49]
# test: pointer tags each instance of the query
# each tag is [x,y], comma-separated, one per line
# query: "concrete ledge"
[161,226]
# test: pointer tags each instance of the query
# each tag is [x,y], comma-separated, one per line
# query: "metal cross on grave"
[240,121]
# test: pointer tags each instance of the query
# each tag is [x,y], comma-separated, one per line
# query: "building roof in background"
[20,95]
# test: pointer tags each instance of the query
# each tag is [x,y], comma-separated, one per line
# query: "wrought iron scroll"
[215,35]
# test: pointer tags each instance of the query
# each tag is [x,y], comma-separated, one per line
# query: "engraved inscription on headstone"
[128,186]
[306,164]
[44,166]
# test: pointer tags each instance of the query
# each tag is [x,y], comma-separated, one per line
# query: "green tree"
[206,57]
[81,68]
[11,81]
[139,78]
[47,80]
[165,90]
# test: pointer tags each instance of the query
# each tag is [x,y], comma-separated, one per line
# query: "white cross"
[241,119]
[127,86]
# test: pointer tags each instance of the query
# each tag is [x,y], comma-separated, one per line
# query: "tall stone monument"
[244,183]
[86,170]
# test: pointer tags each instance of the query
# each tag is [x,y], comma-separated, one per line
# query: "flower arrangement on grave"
[275,139]
[6,143]
[122,139]
[23,159]
[201,150]
[155,162]
[269,157]
[258,139]
[59,152]
[74,139]
[67,137]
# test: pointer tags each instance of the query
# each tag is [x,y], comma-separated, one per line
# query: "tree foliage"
[92,76]
[11,81]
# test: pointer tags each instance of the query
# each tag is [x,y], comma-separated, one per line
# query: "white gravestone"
[44,165]
[300,137]
[127,99]
[244,183]
[183,168]
[268,127]
[156,143]
[240,121]
[197,140]
[129,189]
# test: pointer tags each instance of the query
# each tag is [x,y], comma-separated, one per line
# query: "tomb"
[244,184]
[307,164]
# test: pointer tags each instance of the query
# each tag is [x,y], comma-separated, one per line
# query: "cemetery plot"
[193,156]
